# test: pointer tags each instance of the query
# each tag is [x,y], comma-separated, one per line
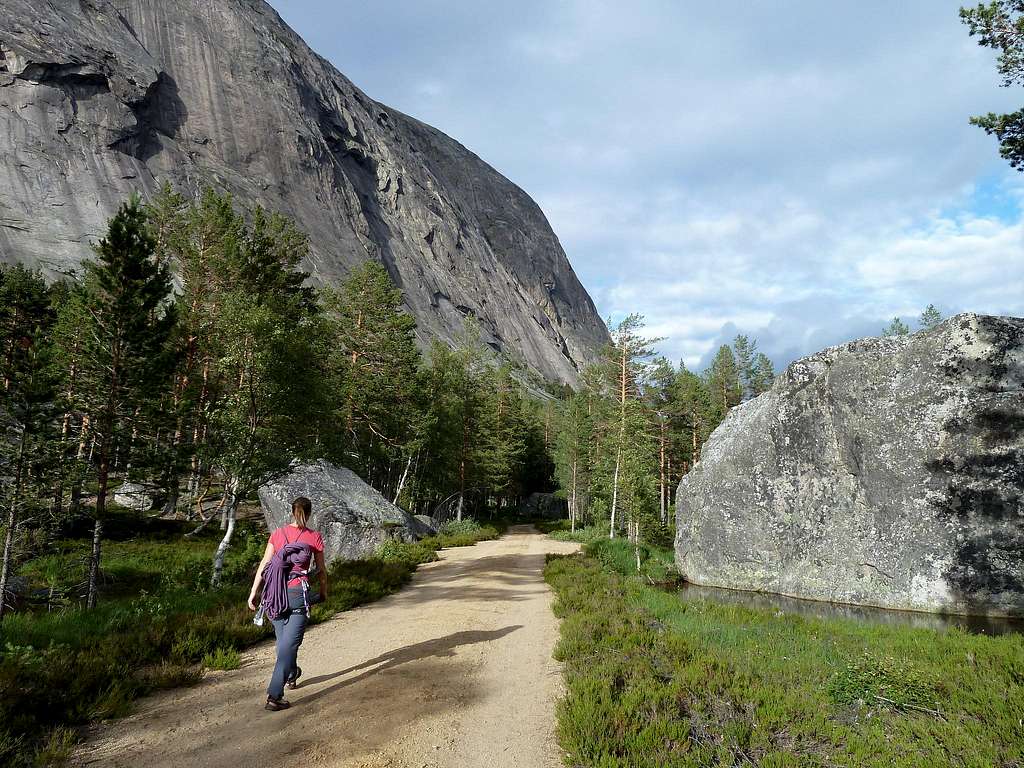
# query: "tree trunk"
[572,498]
[12,517]
[171,505]
[74,503]
[5,569]
[94,563]
[103,479]
[615,492]
[230,512]
[401,482]
[662,469]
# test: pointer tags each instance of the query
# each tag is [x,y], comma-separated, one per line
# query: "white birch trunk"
[230,511]
[401,483]
[615,492]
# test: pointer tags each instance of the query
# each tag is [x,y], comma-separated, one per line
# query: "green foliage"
[930,318]
[560,530]
[116,353]
[653,680]
[896,328]
[223,658]
[723,382]
[27,412]
[158,626]
[466,526]
[56,749]
[373,361]
[885,682]
[999,25]
[637,425]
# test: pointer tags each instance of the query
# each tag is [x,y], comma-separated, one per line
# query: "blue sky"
[795,170]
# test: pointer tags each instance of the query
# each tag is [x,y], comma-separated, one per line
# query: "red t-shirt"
[289,534]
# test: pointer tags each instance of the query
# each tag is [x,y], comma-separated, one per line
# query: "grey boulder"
[353,518]
[428,522]
[133,496]
[887,472]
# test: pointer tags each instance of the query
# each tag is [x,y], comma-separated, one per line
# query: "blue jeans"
[289,630]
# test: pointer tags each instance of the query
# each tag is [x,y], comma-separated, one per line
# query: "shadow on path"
[438,647]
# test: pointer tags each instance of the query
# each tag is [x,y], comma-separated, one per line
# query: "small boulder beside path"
[353,518]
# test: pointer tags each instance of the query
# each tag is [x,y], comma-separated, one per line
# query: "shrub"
[223,658]
[467,526]
[883,681]
[581,535]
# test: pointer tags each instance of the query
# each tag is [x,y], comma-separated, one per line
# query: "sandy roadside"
[455,671]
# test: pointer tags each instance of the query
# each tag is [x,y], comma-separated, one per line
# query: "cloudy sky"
[796,170]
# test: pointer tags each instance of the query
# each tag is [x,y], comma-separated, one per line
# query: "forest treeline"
[637,424]
[194,361]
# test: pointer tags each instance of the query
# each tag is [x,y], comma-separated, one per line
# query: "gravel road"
[454,671]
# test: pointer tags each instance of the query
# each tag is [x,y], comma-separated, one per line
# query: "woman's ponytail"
[301,509]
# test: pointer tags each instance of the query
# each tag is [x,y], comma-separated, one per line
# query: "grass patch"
[157,625]
[223,658]
[654,681]
[560,530]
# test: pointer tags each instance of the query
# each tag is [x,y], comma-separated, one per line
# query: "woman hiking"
[283,576]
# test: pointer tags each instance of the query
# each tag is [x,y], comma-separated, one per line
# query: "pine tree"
[27,414]
[930,318]
[723,382]
[375,362]
[999,25]
[123,358]
[658,398]
[571,453]
[204,241]
[896,328]
[502,445]
[624,361]
[693,402]
[762,374]
[744,351]
[263,405]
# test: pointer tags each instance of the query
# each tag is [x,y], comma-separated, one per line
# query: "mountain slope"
[98,99]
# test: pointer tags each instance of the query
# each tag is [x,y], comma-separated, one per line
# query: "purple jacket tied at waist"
[277,573]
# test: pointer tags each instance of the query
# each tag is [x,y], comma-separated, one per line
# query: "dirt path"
[455,671]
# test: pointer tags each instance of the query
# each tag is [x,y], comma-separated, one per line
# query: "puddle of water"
[980,625]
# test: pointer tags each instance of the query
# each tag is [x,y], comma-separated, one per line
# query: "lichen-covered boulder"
[353,518]
[887,471]
[133,496]
[430,527]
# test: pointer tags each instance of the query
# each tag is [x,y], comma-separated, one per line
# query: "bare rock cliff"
[98,99]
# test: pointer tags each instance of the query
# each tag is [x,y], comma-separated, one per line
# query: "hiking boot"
[276,705]
[293,681]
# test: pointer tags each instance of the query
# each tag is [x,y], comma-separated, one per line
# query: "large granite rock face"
[887,472]
[100,99]
[352,517]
